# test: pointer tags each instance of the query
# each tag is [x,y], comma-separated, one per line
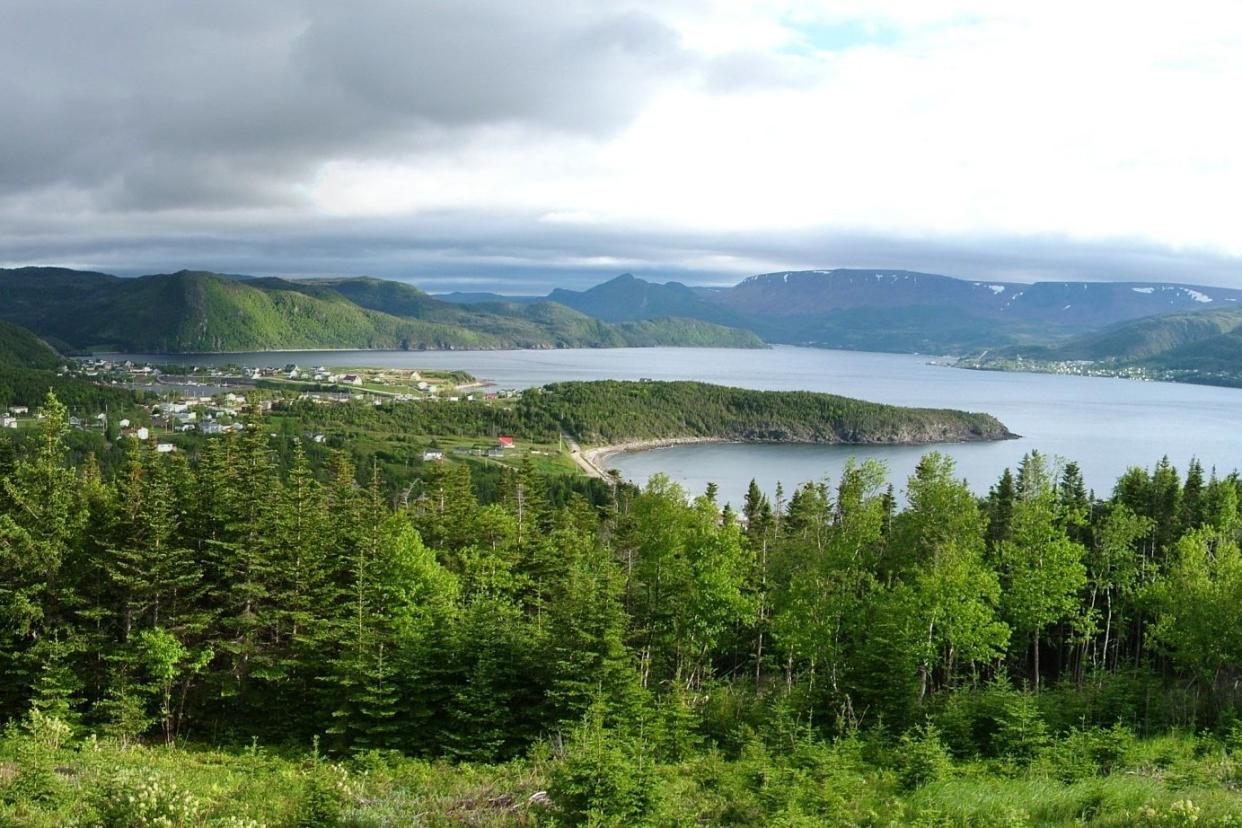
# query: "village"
[209,401]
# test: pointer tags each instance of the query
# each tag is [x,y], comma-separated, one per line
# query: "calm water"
[1104,424]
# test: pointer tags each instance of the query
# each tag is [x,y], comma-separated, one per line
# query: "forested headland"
[209,639]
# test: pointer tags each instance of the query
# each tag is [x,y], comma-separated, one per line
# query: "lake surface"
[1104,424]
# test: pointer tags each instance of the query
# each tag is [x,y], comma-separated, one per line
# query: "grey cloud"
[519,254]
[151,105]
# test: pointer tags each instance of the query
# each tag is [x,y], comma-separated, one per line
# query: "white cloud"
[1087,120]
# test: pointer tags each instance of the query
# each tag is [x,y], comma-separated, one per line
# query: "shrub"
[324,796]
[1090,752]
[922,757]
[144,800]
[602,775]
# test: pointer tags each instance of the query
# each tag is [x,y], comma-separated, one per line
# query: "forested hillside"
[20,348]
[191,311]
[824,658]
[1204,347]
[28,371]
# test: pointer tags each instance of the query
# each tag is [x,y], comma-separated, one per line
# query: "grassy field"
[1177,780]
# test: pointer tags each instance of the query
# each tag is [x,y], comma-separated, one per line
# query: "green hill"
[20,347]
[29,369]
[1142,339]
[192,311]
[616,411]
[1204,347]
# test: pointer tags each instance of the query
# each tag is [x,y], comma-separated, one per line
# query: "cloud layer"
[528,144]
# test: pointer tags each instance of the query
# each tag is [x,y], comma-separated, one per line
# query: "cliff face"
[976,428]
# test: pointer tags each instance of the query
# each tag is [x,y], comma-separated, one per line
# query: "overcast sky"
[483,144]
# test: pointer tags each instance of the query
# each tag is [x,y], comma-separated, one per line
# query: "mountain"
[192,311]
[893,310]
[627,298]
[1069,305]
[907,310]
[459,297]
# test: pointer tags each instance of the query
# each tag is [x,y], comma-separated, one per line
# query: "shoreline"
[592,460]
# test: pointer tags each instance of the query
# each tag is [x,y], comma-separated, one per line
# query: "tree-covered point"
[614,411]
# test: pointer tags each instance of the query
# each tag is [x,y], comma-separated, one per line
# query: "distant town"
[216,400]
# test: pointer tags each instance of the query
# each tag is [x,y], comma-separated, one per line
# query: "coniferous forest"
[225,638]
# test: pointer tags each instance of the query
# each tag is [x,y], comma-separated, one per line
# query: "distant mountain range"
[882,310]
[191,311]
[896,310]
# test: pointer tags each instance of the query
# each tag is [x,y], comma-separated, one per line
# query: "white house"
[432,455]
[8,422]
[165,448]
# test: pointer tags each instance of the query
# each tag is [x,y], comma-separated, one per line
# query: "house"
[505,442]
[432,456]
[211,428]
[352,379]
[19,409]
[165,448]
[496,451]
[8,422]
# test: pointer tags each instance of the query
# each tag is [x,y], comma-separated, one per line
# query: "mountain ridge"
[198,311]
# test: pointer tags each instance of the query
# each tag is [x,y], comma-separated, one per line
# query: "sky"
[519,146]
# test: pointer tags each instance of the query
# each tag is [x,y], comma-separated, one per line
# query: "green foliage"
[19,346]
[837,660]
[191,311]
[921,757]
[613,411]
[604,778]
[137,800]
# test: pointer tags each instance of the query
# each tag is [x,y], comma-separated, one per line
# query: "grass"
[1179,780]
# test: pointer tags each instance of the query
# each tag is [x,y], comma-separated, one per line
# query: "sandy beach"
[594,461]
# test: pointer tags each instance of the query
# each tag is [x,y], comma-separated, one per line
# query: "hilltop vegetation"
[194,311]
